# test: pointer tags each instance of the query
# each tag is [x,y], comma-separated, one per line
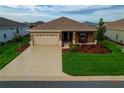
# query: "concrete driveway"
[43,63]
[36,62]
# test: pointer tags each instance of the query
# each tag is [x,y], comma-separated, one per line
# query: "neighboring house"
[91,24]
[36,23]
[115,31]
[33,24]
[60,31]
[8,28]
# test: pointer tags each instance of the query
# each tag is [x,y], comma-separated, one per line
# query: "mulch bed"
[22,48]
[94,49]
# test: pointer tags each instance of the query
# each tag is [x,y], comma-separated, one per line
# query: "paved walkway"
[43,63]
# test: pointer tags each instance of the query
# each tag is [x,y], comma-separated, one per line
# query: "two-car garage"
[45,38]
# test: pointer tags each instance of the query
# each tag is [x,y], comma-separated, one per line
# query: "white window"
[82,35]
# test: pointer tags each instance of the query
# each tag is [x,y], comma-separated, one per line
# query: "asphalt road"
[61,84]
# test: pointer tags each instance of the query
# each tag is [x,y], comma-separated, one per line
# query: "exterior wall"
[115,35]
[10,33]
[90,37]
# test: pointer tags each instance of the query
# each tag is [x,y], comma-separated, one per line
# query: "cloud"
[56,8]
[91,9]
[47,12]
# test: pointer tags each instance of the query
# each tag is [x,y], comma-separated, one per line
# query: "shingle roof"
[9,23]
[64,24]
[117,25]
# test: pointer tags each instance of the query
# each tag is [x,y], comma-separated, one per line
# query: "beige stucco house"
[115,31]
[61,31]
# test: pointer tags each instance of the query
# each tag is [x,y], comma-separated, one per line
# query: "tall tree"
[101,31]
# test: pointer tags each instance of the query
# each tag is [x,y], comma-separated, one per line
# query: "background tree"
[101,30]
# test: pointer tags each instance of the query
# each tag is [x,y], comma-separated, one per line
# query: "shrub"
[18,37]
[10,41]
[19,45]
[2,43]
[73,48]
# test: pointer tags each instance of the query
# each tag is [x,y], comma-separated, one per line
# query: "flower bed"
[90,49]
[22,48]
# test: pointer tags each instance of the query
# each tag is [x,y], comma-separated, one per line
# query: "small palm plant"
[73,48]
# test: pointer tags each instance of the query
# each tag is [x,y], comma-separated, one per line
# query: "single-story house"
[61,31]
[115,31]
[9,28]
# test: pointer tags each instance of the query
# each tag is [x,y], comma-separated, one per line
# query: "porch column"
[31,40]
[60,39]
[68,35]
[73,38]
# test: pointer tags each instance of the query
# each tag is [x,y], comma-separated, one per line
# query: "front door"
[66,36]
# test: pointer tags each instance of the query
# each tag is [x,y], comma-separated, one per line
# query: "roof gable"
[117,25]
[9,23]
[63,23]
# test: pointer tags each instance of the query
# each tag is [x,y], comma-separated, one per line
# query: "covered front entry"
[45,38]
[67,36]
[78,37]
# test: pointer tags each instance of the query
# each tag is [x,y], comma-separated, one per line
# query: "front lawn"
[8,51]
[79,64]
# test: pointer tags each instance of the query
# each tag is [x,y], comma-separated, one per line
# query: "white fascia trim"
[45,31]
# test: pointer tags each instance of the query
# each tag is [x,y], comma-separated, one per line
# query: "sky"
[82,13]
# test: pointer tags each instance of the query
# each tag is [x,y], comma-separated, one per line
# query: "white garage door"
[46,39]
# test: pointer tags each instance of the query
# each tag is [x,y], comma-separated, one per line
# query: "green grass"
[8,51]
[79,64]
